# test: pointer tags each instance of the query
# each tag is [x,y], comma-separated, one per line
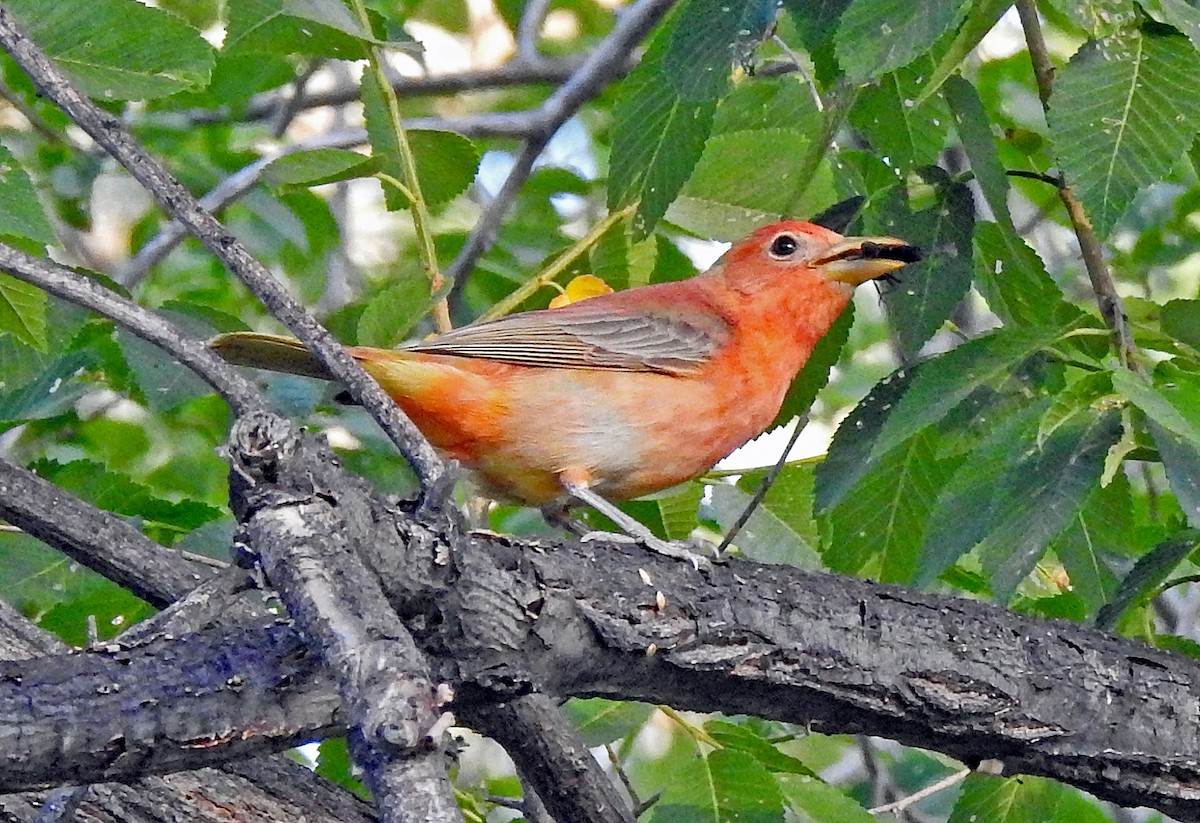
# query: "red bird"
[623,394]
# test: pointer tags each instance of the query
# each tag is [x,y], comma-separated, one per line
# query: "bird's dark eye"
[784,246]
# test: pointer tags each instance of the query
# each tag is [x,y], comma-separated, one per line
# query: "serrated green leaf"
[1040,496]
[446,162]
[1097,18]
[1181,460]
[725,785]
[318,166]
[708,37]
[23,312]
[1021,800]
[880,524]
[1124,110]
[658,137]
[790,497]
[392,313]
[601,721]
[1013,280]
[1172,401]
[1098,533]
[981,18]
[849,455]
[813,801]
[1078,397]
[766,537]
[161,381]
[747,174]
[21,213]
[118,49]
[961,517]
[49,394]
[121,495]
[294,27]
[907,135]
[815,374]
[975,131]
[927,293]
[1181,320]
[876,36]
[742,739]
[945,381]
[620,261]
[1178,13]
[679,511]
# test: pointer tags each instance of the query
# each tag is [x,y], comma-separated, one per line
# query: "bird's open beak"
[856,260]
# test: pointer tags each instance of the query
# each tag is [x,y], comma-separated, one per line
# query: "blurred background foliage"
[973,428]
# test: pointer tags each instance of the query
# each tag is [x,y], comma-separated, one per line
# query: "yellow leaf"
[581,288]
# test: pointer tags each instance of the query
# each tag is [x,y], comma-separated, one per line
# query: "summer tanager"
[622,394]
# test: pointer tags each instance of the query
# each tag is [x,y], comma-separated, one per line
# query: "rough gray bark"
[501,618]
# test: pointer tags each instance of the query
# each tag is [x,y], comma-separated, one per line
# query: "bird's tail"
[268,351]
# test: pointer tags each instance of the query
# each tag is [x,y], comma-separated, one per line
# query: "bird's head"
[794,251]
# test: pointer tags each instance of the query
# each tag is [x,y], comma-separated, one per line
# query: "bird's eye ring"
[783,246]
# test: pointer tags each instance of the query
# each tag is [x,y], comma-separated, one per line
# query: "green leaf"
[747,174]
[815,374]
[52,392]
[118,49]
[1013,280]
[945,381]
[622,262]
[876,36]
[318,166]
[658,137]
[907,135]
[814,801]
[679,510]
[880,524]
[927,293]
[1181,320]
[981,18]
[162,383]
[21,213]
[975,131]
[1021,800]
[1172,401]
[742,739]
[601,721]
[1040,496]
[294,27]
[23,312]
[334,764]
[1076,398]
[392,313]
[790,497]
[446,162]
[849,455]
[1147,575]
[1124,110]
[1181,460]
[766,537]
[708,37]
[1178,13]
[725,785]
[1099,533]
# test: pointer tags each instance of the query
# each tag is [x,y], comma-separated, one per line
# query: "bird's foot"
[680,550]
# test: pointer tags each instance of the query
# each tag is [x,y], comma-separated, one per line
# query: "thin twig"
[1049,179]
[412,183]
[763,487]
[179,203]
[603,66]
[1112,308]
[917,796]
[292,104]
[529,28]
[238,392]
[559,264]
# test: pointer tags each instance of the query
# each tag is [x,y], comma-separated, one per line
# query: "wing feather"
[557,338]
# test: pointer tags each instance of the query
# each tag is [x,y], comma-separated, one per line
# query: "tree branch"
[106,130]
[309,550]
[1112,308]
[502,618]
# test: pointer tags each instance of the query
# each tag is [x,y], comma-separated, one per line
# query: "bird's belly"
[629,433]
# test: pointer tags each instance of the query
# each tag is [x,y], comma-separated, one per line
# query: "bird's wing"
[557,338]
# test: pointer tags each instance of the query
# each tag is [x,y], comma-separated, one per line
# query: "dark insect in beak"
[879,251]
